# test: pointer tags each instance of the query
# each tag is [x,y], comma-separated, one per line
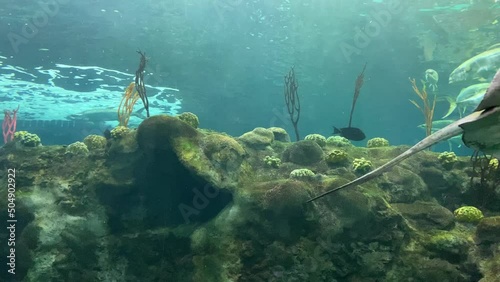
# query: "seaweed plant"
[292,100]
[486,170]
[127,104]
[139,81]
[427,107]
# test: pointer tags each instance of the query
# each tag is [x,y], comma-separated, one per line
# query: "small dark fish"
[351,133]
[107,134]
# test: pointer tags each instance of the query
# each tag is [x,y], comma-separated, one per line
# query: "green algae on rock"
[95,142]
[190,119]
[488,230]
[77,149]
[159,132]
[280,134]
[305,152]
[259,138]
[217,209]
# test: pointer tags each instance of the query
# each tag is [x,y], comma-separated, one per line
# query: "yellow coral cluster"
[468,214]
[95,142]
[336,157]
[377,142]
[27,139]
[447,159]
[119,131]
[361,165]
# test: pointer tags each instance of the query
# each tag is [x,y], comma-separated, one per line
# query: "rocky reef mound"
[173,202]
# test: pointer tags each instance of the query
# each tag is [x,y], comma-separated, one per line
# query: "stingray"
[480,131]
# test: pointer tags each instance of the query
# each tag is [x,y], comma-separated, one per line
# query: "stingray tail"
[449,131]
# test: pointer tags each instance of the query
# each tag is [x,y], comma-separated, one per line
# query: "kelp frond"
[127,104]
[427,107]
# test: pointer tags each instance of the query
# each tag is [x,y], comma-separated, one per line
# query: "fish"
[351,133]
[479,67]
[100,115]
[480,131]
[431,79]
[438,124]
[469,97]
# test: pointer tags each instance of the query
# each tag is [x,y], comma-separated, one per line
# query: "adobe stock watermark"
[280,118]
[323,248]
[223,6]
[378,19]
[318,253]
[158,75]
[200,201]
[40,19]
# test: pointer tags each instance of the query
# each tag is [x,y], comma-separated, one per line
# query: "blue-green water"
[225,59]
[171,199]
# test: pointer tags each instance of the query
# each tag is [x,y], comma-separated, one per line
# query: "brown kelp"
[427,109]
[139,81]
[360,80]
[292,100]
[126,106]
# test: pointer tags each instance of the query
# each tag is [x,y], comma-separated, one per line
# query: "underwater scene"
[250,140]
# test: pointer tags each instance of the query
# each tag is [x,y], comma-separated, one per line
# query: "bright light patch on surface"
[56,93]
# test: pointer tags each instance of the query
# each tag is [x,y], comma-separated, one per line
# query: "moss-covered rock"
[422,269]
[403,185]
[491,268]
[77,149]
[208,202]
[190,119]
[159,132]
[259,138]
[224,152]
[488,230]
[427,215]
[280,134]
[304,152]
[283,197]
[95,142]
[449,245]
